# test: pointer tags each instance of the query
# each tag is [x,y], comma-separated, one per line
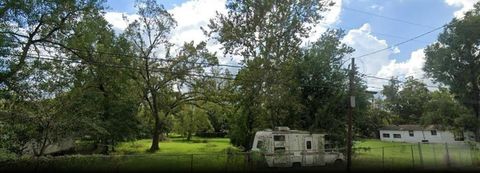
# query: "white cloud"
[192,15]
[380,64]
[411,67]
[376,7]
[331,17]
[464,5]
[117,21]
[364,42]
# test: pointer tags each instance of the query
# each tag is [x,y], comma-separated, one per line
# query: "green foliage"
[444,110]
[409,102]
[453,60]
[268,35]
[191,120]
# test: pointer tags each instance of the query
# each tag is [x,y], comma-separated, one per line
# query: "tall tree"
[409,102]
[267,34]
[442,109]
[412,100]
[164,81]
[454,60]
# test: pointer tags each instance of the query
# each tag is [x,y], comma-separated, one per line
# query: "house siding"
[419,135]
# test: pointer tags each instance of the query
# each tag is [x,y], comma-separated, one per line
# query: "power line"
[403,42]
[158,69]
[387,17]
[381,78]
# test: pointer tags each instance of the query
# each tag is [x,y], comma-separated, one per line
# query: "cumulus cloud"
[464,5]
[363,42]
[116,19]
[381,64]
[194,14]
[411,67]
[331,17]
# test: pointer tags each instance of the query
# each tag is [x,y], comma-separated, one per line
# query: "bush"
[6,155]
[211,134]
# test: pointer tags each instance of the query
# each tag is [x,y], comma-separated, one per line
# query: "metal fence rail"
[419,156]
[404,156]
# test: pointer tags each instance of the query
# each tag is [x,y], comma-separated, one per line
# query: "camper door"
[309,153]
[279,149]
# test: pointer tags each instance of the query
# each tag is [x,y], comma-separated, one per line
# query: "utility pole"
[349,118]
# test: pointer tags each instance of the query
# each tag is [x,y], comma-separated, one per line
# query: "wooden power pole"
[349,118]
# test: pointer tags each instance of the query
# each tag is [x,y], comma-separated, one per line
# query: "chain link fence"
[398,157]
[419,156]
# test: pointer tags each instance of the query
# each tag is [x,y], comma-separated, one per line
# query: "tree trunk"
[156,135]
[157,126]
[189,136]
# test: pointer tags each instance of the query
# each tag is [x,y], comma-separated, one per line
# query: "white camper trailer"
[283,147]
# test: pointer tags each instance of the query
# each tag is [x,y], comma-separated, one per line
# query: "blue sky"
[365,30]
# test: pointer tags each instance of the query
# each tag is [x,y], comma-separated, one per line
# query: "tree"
[268,35]
[409,102]
[192,120]
[163,81]
[392,98]
[412,100]
[33,24]
[442,109]
[453,60]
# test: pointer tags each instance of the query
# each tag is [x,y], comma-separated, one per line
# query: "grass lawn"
[407,155]
[178,145]
[175,154]
[199,154]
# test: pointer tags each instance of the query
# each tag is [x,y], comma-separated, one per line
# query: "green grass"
[178,146]
[399,155]
[177,154]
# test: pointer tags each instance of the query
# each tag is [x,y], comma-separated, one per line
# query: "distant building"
[418,133]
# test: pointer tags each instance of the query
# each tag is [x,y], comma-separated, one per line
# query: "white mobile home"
[418,133]
[286,148]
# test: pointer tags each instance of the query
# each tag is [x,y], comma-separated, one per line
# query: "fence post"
[420,154]
[471,150]
[226,161]
[191,163]
[434,155]
[383,158]
[413,158]
[448,155]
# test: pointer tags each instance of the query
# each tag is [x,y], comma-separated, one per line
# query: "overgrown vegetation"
[66,74]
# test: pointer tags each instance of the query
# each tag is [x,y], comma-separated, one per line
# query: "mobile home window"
[410,132]
[386,135]
[279,138]
[397,136]
[434,132]
[259,144]
[309,145]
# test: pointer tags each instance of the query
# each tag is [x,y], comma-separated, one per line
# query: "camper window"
[309,145]
[279,138]
[434,132]
[397,136]
[386,135]
[259,144]
[279,149]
